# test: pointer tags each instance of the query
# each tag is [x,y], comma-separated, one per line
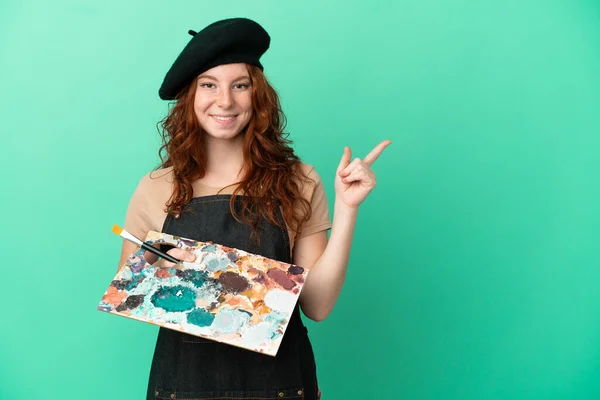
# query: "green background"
[474,272]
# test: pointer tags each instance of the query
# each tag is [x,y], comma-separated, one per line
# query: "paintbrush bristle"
[117,229]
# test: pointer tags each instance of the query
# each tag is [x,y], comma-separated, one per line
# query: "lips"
[224,119]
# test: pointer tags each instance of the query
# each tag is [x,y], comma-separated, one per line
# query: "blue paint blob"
[277,320]
[217,264]
[276,317]
[200,317]
[209,248]
[275,334]
[135,281]
[175,298]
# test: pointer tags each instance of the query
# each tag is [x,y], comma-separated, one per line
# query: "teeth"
[223,118]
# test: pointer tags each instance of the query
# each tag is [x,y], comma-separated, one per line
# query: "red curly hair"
[270,164]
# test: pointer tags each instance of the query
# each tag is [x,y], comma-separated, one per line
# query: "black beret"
[229,41]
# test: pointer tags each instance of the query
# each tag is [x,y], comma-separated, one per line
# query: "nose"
[224,99]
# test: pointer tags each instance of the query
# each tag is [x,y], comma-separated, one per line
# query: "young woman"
[229,176]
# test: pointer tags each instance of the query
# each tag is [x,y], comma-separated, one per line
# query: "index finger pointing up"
[376,152]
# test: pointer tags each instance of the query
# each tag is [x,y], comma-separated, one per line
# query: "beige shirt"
[147,207]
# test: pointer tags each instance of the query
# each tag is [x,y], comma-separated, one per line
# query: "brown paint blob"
[281,277]
[232,282]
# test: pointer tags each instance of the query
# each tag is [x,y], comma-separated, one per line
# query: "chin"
[223,136]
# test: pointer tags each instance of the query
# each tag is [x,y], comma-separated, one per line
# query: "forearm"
[326,277]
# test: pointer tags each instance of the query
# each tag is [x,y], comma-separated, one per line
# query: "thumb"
[181,254]
[346,157]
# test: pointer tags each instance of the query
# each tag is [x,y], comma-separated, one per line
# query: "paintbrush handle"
[159,253]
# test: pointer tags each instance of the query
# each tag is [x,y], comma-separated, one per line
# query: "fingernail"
[190,258]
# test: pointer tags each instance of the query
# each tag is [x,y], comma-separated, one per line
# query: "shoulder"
[157,181]
[146,209]
[154,189]
[310,183]
[308,174]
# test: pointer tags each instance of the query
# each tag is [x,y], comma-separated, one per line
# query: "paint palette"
[226,295]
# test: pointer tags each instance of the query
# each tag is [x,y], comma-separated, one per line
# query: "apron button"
[172,395]
[300,392]
[280,394]
[156,392]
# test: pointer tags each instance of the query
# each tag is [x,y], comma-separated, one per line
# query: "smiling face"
[223,100]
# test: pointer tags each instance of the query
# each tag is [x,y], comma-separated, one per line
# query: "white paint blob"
[280,300]
[257,335]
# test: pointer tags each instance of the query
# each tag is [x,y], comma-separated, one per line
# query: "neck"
[224,159]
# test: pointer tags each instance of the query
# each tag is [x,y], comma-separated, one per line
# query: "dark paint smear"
[135,300]
[200,317]
[232,282]
[281,278]
[129,283]
[122,284]
[121,307]
[187,242]
[198,278]
[295,270]
[246,311]
[233,257]
[167,298]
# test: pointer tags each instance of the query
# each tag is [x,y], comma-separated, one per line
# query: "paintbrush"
[146,246]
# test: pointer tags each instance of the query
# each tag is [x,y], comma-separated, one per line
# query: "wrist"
[341,207]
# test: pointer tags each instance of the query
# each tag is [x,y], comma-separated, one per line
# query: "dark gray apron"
[189,367]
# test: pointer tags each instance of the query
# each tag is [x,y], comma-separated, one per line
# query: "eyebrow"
[215,79]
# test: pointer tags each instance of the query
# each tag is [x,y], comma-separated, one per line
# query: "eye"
[241,86]
[207,85]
